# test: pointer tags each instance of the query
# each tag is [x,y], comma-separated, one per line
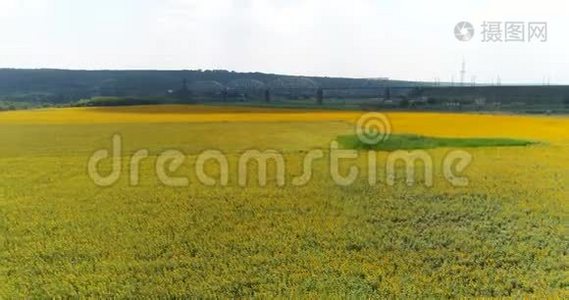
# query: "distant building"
[480,101]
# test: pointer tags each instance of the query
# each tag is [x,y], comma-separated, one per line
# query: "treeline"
[46,86]
[21,89]
[521,95]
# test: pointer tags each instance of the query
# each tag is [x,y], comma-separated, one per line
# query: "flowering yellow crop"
[503,235]
[435,124]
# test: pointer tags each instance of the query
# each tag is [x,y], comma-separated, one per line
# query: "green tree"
[566,101]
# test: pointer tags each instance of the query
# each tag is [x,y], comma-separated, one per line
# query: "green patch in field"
[413,142]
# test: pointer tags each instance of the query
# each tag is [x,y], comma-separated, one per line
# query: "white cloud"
[23,8]
[364,38]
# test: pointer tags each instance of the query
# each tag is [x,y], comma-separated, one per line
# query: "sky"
[400,39]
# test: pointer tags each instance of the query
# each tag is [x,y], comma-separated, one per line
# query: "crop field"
[505,233]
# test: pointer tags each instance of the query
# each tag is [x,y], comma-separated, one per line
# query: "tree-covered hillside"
[64,86]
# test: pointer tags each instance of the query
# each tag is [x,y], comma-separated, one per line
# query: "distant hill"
[64,86]
[503,94]
[21,88]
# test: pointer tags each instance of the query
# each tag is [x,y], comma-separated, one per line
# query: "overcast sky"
[357,38]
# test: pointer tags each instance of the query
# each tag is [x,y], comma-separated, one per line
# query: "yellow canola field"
[62,236]
[555,129]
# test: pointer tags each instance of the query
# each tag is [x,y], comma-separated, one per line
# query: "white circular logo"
[373,128]
[464,31]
